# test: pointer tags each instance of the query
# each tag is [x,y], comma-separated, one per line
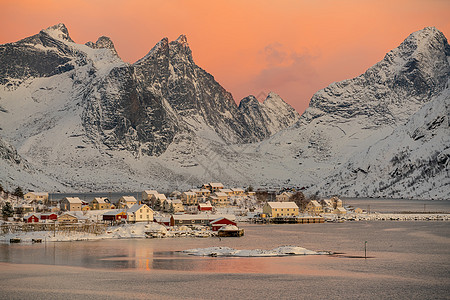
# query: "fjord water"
[406,260]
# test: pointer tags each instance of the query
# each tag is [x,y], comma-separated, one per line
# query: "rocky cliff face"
[77,105]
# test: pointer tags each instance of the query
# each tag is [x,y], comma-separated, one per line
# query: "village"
[209,210]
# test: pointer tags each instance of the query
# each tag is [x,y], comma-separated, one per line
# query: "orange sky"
[291,47]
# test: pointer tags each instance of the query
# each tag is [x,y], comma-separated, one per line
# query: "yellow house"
[126,202]
[284,197]
[148,194]
[339,211]
[238,191]
[140,213]
[189,198]
[314,208]
[100,203]
[37,196]
[281,209]
[67,218]
[213,186]
[219,199]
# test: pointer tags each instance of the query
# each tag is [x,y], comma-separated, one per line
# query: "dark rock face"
[139,107]
[26,58]
[131,118]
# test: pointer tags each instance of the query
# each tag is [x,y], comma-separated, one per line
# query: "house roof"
[238,190]
[151,192]
[226,190]
[282,204]
[190,193]
[101,199]
[136,207]
[68,214]
[315,203]
[195,190]
[128,198]
[220,194]
[32,214]
[340,209]
[73,200]
[177,201]
[220,219]
[207,204]
[160,196]
[216,184]
[113,212]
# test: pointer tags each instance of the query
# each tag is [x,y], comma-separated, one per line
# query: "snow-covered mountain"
[413,161]
[83,119]
[347,117]
[90,120]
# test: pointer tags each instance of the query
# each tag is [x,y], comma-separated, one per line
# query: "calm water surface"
[407,260]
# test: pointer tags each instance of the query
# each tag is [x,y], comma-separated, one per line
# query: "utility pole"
[365,250]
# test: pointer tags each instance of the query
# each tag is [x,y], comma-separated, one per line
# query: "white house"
[71,204]
[140,213]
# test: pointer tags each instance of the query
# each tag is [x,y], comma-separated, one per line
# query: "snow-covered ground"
[125,231]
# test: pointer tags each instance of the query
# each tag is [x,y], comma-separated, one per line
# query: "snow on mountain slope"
[273,111]
[411,162]
[347,117]
[90,121]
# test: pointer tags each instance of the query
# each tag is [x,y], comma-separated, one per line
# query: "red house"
[32,218]
[49,216]
[114,216]
[205,206]
[218,223]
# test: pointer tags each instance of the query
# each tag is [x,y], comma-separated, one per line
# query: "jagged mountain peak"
[249,100]
[182,39]
[393,88]
[273,98]
[59,32]
[103,42]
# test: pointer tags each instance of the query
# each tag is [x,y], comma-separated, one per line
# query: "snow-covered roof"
[237,190]
[341,209]
[128,199]
[48,214]
[160,196]
[207,204]
[282,204]
[113,212]
[73,200]
[32,214]
[151,192]
[195,190]
[315,203]
[190,193]
[225,190]
[220,194]
[220,219]
[177,201]
[216,184]
[101,199]
[68,214]
[136,207]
